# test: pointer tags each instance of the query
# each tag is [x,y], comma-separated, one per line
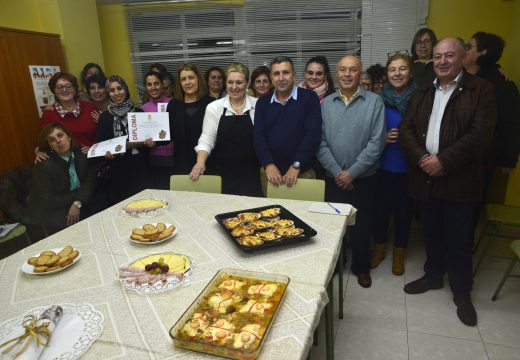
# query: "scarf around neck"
[320,90]
[120,111]
[400,102]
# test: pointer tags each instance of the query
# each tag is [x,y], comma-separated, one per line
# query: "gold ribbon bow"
[40,333]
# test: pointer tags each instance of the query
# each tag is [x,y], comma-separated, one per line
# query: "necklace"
[238,108]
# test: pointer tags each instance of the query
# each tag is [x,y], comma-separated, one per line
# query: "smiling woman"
[74,114]
[129,171]
[317,77]
[227,132]
[161,156]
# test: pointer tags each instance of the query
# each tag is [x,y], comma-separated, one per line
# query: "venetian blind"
[218,32]
[211,33]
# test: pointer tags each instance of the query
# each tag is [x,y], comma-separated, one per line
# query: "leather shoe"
[466,311]
[364,280]
[422,285]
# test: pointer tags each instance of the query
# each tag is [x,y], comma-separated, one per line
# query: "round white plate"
[29,269]
[78,328]
[171,282]
[147,214]
[154,242]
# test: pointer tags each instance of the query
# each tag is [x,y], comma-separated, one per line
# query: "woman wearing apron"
[227,131]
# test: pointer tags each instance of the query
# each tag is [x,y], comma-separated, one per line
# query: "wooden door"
[19,124]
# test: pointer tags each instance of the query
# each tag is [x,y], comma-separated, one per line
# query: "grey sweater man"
[353,135]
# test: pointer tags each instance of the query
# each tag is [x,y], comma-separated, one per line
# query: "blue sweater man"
[287,130]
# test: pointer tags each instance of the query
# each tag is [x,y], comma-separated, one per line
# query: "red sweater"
[83,128]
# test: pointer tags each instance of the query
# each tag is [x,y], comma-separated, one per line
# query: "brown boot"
[398,261]
[378,255]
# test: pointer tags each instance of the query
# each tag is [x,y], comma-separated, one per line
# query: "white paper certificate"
[115,146]
[145,125]
[161,107]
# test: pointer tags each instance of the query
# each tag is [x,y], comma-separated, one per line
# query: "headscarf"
[120,111]
[320,90]
[400,102]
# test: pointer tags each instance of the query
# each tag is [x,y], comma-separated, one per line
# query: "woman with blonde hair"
[227,134]
[186,111]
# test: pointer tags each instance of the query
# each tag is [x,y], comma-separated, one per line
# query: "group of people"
[423,129]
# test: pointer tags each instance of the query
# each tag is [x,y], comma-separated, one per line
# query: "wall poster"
[40,75]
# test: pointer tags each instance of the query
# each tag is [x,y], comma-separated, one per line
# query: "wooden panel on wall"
[20,122]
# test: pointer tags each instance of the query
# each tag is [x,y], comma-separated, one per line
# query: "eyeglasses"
[423,42]
[468,46]
[402,52]
[64,87]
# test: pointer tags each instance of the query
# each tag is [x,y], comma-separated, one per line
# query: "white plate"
[78,328]
[154,242]
[29,269]
[171,282]
[147,214]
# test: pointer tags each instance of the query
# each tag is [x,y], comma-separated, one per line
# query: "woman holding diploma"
[228,133]
[186,112]
[128,171]
[161,156]
[63,184]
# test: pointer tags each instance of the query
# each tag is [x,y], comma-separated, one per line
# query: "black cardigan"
[50,198]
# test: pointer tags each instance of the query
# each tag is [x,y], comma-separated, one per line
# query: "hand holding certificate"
[115,146]
[148,125]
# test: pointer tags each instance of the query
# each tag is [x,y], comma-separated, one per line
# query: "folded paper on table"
[115,146]
[28,341]
[329,208]
[148,125]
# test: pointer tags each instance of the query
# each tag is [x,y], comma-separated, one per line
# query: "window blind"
[218,32]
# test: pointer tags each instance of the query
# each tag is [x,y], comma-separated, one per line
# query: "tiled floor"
[383,322]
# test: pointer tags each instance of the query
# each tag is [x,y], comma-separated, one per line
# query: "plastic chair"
[496,216]
[304,189]
[205,183]
[515,246]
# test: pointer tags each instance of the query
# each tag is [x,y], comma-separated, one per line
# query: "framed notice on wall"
[40,75]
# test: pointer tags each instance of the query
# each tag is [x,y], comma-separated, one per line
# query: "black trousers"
[362,198]
[392,199]
[447,228]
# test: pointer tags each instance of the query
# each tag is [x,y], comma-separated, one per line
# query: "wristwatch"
[77,204]
[296,165]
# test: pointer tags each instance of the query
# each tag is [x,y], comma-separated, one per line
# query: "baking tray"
[228,350]
[308,231]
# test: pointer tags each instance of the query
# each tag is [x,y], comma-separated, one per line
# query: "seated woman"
[228,133]
[260,84]
[128,173]
[317,77]
[97,93]
[62,185]
[75,115]
[161,156]
[186,112]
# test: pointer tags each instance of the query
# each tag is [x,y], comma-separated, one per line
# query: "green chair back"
[304,189]
[205,183]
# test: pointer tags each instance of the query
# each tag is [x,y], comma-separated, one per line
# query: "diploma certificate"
[145,125]
[115,146]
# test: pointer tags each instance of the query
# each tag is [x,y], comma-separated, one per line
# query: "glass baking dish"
[232,320]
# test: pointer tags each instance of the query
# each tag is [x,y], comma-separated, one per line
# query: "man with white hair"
[443,135]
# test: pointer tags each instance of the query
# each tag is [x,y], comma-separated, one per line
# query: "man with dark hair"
[287,128]
[443,135]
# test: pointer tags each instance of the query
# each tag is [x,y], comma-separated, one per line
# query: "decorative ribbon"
[40,333]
